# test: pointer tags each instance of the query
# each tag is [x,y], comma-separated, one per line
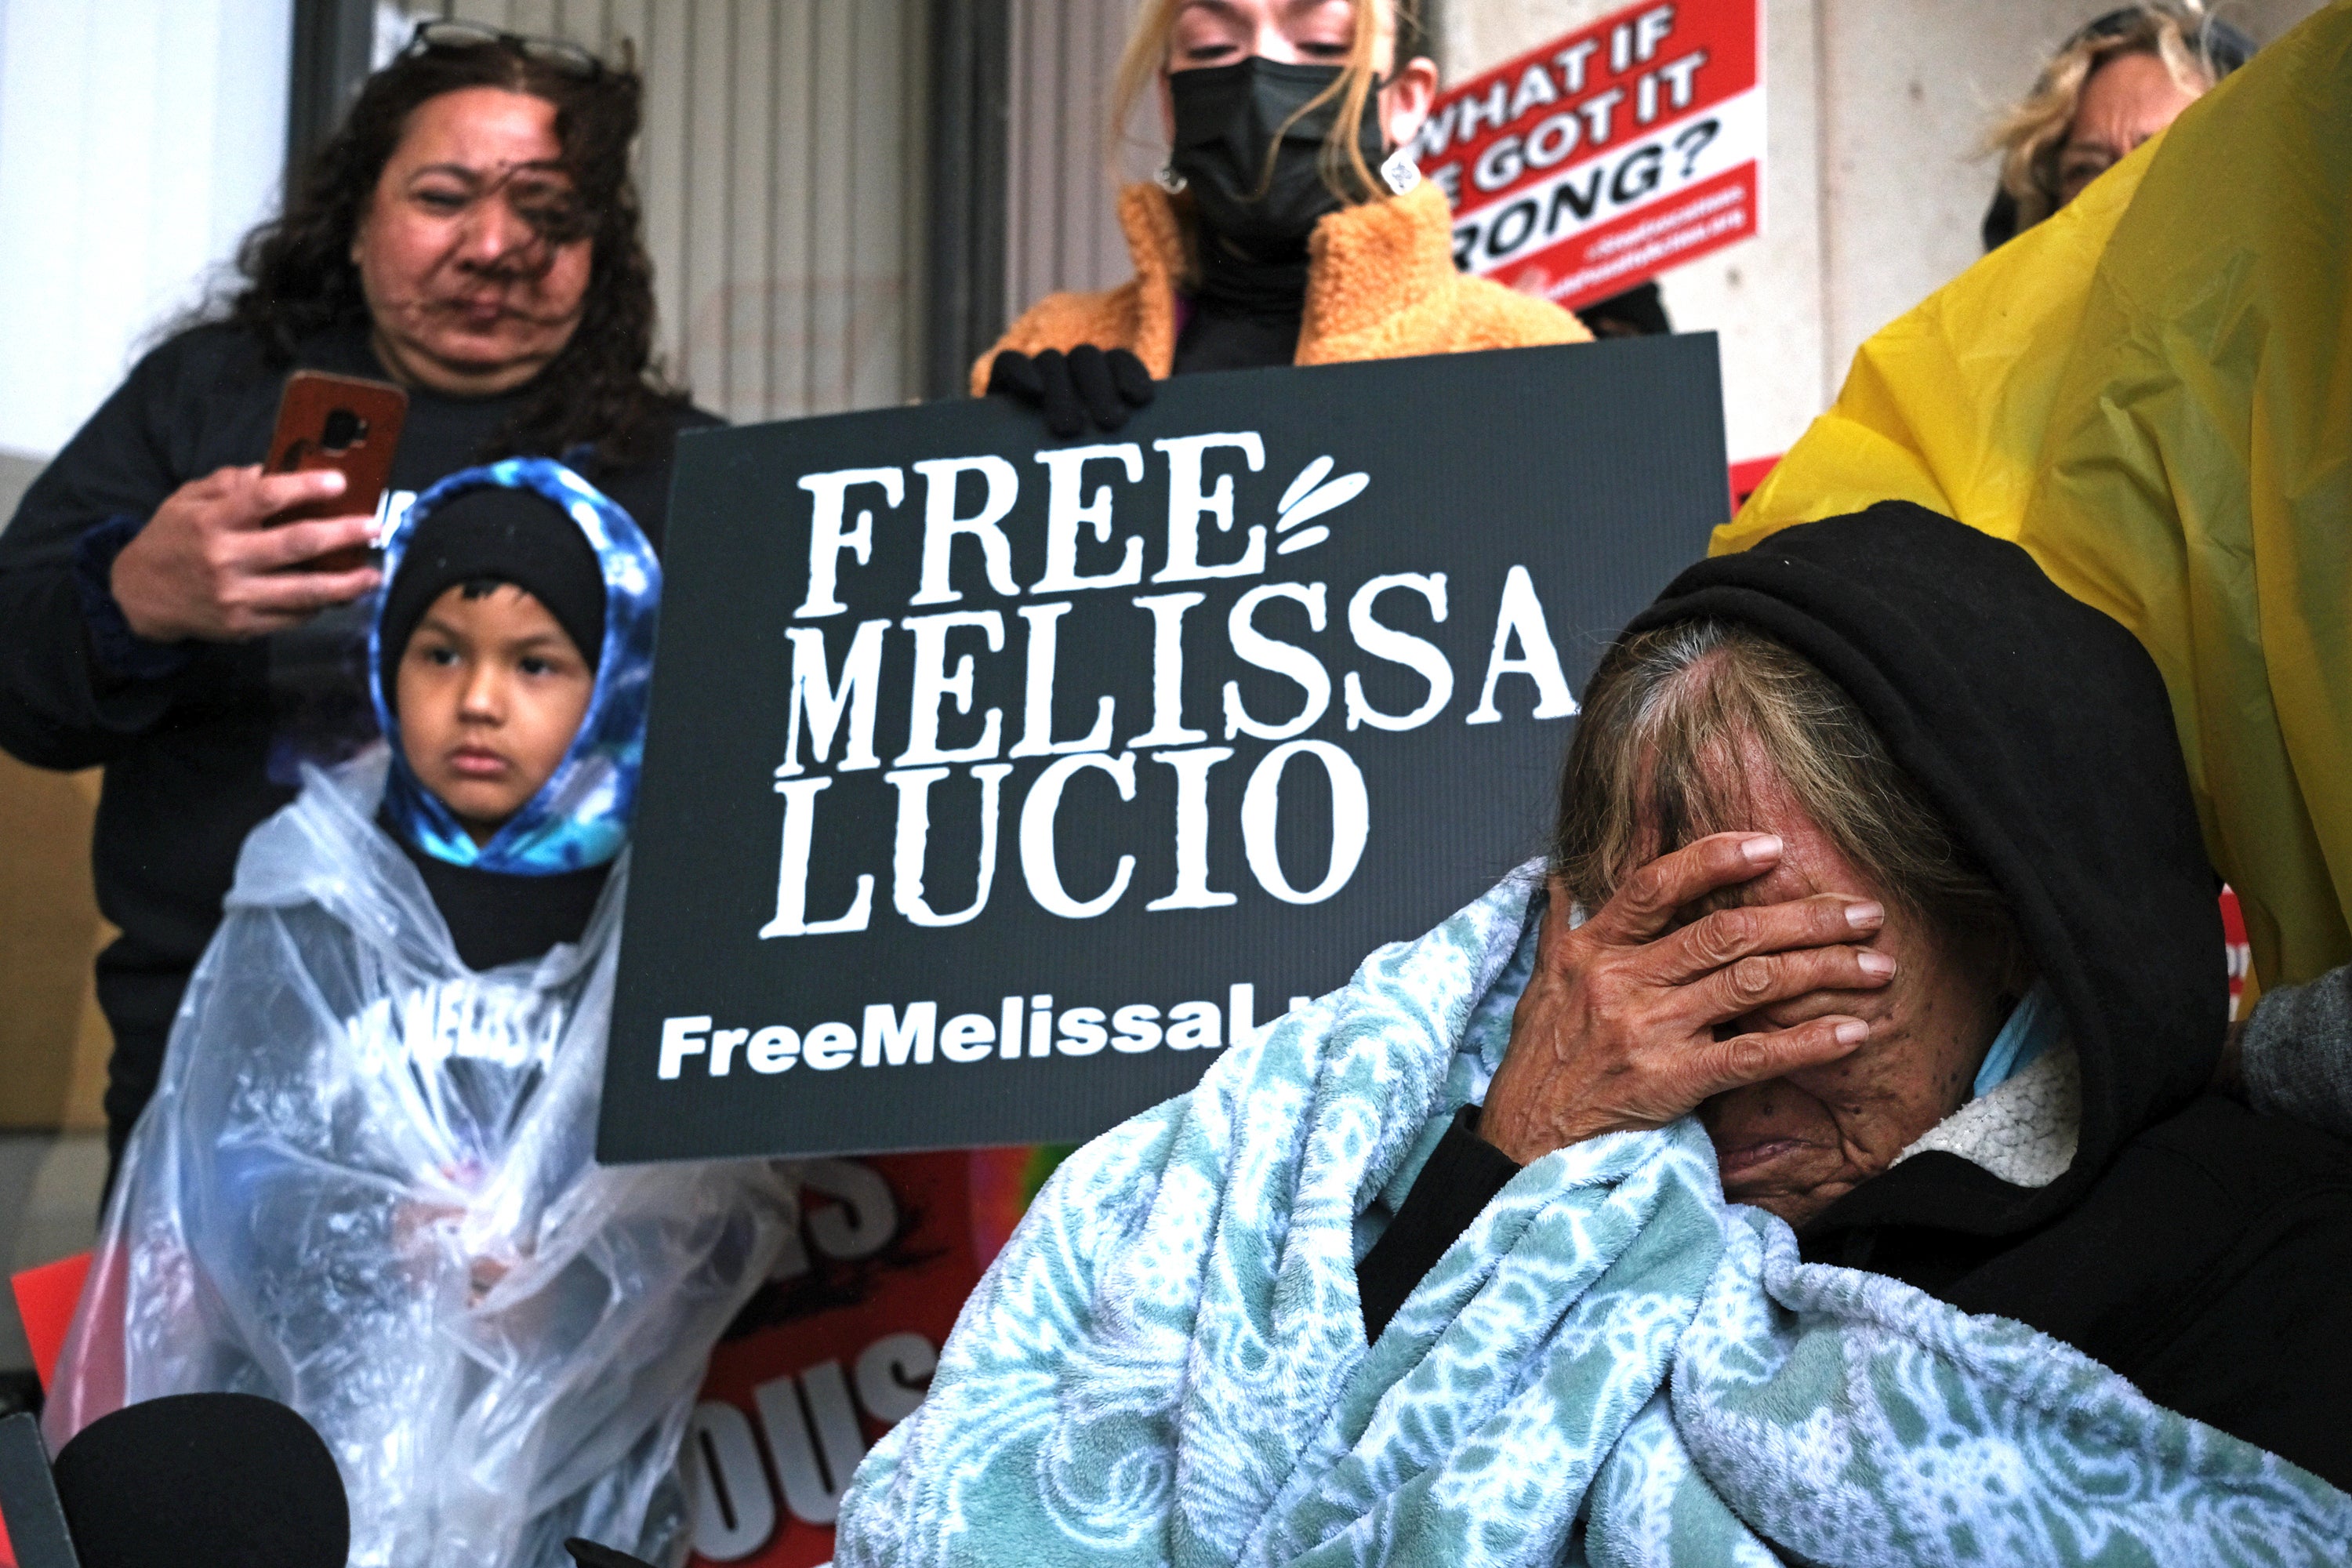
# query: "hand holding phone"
[248,551]
[346,424]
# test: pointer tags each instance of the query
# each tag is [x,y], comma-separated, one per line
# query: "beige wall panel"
[882,161]
[662,166]
[50,933]
[1063,225]
[752,279]
[830,195]
[1908,91]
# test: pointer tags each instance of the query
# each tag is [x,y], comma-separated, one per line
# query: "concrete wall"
[1873,192]
[137,141]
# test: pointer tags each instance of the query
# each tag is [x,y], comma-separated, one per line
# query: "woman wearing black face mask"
[1289,226]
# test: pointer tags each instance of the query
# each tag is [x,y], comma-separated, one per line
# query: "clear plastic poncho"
[365,1188]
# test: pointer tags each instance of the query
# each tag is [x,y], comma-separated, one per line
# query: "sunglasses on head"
[557,54]
[2224,44]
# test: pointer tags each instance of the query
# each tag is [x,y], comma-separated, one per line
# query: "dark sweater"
[495,918]
[203,744]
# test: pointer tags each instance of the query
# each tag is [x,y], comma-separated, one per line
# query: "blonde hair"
[1344,169]
[1676,723]
[2032,134]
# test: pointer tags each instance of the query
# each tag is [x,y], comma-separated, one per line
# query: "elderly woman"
[2121,78]
[1877,904]
[471,232]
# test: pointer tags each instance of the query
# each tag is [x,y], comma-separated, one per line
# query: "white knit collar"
[2023,1131]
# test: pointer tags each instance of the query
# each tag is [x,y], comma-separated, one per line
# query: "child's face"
[491,693]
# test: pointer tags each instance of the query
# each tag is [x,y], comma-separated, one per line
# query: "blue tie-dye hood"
[579,817]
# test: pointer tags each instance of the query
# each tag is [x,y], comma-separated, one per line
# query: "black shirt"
[496,918]
[1246,313]
[195,758]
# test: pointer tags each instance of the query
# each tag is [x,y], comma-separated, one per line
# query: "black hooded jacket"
[2202,1250]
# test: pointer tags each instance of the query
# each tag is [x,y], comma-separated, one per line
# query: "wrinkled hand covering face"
[1167,1365]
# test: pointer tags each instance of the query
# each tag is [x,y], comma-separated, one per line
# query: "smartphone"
[342,421]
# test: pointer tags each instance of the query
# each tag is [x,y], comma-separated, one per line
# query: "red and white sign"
[838,1346]
[1590,164]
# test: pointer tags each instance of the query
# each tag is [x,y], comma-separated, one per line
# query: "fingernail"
[1761,848]
[1861,917]
[1852,1033]
[1877,964]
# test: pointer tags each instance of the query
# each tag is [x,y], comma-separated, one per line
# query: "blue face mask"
[2034,1025]
[579,817]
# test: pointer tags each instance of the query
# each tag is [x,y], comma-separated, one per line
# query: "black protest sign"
[995,783]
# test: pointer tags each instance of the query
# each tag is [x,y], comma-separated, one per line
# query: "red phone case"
[340,422]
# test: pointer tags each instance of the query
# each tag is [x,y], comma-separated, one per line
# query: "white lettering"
[773,1049]
[814,693]
[1650,30]
[680,1039]
[1285,660]
[1493,109]
[941,525]
[829,1045]
[893,1039]
[1571,62]
[828,538]
[1499,166]
[1037,699]
[793,868]
[1262,810]
[1521,615]
[911,849]
[892,1373]
[1038,867]
[1424,659]
[1188,503]
[1082,1032]
[1679,74]
[1596,112]
[1194,1026]
[933,685]
[1138,1028]
[1064,511]
[1535,87]
[968,1037]
[1191,890]
[722,1049]
[1168,670]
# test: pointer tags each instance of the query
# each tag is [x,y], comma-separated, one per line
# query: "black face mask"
[1227,117]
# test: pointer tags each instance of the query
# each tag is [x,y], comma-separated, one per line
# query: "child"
[364,1188]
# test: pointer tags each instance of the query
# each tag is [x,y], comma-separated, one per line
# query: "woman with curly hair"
[470,232]
[2117,81]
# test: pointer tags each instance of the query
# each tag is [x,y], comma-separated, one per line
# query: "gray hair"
[1680,723]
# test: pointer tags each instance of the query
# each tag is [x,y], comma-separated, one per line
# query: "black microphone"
[189,1481]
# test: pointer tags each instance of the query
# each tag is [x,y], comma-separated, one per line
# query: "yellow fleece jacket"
[1381,284]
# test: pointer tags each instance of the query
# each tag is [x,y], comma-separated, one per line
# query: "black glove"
[1087,385]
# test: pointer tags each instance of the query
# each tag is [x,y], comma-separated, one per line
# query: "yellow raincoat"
[2152,392]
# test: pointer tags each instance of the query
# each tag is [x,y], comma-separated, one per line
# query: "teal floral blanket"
[1168,1365]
